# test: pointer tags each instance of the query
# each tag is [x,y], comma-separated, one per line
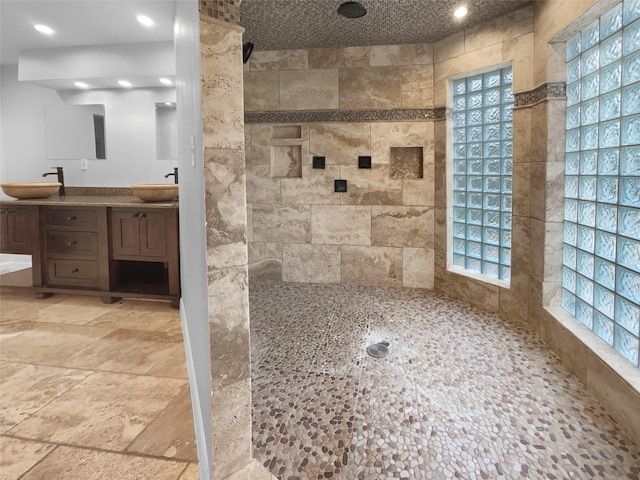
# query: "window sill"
[614,360]
[479,277]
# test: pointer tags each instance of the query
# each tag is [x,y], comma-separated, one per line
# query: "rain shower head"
[352,10]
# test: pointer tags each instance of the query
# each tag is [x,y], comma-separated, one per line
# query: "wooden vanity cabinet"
[96,249]
[75,247]
[17,227]
[144,247]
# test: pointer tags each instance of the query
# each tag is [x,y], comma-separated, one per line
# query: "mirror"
[166,131]
[75,132]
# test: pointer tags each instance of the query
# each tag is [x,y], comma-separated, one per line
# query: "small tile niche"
[405,162]
[286,161]
[286,151]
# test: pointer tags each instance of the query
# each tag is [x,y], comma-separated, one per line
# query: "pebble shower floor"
[462,393]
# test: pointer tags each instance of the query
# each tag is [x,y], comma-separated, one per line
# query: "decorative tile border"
[346,115]
[226,10]
[522,99]
[539,94]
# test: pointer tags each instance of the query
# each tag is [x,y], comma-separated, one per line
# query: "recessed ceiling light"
[81,85]
[460,12]
[146,21]
[124,83]
[166,81]
[168,104]
[43,29]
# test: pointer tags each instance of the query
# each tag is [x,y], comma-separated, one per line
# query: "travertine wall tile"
[419,191]
[226,212]
[520,51]
[340,143]
[440,228]
[231,427]
[402,226]
[228,325]
[554,191]
[311,263]
[278,60]
[260,151]
[450,47]
[406,54]
[521,188]
[261,188]
[500,29]
[265,261]
[286,161]
[261,91]
[385,135]
[370,187]
[537,248]
[520,235]
[469,62]
[221,98]
[522,135]
[315,187]
[341,224]
[417,86]
[481,294]
[371,87]
[514,301]
[309,89]
[406,162]
[538,190]
[281,223]
[418,267]
[339,57]
[374,266]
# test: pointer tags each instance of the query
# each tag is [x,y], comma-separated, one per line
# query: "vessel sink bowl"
[155,192]
[25,190]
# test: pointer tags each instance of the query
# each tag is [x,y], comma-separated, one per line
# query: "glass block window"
[482,173]
[601,252]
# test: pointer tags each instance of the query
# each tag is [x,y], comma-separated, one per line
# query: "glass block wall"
[601,253]
[482,173]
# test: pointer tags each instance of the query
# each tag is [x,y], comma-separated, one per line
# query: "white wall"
[193,265]
[130,134]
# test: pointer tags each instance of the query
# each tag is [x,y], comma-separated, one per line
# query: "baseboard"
[204,456]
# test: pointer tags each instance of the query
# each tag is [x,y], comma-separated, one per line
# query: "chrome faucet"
[174,175]
[60,175]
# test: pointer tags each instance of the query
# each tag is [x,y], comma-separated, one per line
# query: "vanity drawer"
[67,217]
[82,273]
[72,243]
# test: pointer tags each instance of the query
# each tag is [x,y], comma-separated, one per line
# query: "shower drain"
[378,350]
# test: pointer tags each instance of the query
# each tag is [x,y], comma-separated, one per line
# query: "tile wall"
[381,231]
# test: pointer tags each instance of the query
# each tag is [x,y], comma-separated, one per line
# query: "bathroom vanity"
[108,246]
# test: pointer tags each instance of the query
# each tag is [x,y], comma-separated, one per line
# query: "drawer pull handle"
[74,242]
[75,270]
[143,215]
[140,215]
[71,218]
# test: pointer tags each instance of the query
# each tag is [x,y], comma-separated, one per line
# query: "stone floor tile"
[68,463]
[107,410]
[25,389]
[17,456]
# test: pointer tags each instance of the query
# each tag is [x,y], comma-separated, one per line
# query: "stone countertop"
[91,201]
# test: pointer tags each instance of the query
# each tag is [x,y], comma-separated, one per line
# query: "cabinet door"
[152,235]
[14,237]
[125,226]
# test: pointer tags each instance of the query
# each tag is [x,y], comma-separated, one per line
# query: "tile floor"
[462,394]
[93,391]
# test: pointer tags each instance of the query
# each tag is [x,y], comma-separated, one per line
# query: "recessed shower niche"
[286,151]
[405,162]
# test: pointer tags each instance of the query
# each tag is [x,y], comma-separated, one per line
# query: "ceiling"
[291,24]
[269,24]
[80,22]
